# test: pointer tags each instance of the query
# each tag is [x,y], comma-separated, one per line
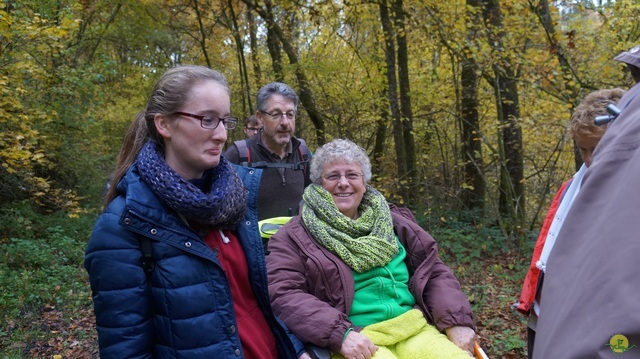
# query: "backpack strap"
[305,154]
[303,150]
[265,164]
[243,153]
[147,255]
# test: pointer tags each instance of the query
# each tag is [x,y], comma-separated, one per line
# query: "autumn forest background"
[462,106]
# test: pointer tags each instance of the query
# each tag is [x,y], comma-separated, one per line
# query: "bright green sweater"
[382,293]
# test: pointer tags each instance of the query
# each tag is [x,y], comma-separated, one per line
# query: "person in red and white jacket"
[586,136]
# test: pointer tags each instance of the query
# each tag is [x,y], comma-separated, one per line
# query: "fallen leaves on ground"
[72,335]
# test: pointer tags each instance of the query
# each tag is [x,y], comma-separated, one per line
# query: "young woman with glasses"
[203,291]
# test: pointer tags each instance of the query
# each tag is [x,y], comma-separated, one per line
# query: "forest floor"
[68,333]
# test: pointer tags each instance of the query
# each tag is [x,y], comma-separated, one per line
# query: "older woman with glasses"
[359,276]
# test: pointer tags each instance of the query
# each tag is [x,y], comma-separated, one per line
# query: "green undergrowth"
[40,270]
[491,270]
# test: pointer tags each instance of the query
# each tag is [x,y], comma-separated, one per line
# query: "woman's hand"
[305,355]
[357,346]
[464,337]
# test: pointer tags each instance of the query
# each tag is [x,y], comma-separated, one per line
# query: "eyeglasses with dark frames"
[276,116]
[211,123]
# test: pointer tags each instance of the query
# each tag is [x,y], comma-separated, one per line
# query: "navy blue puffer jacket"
[183,309]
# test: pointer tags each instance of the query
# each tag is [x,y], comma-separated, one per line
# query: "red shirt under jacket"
[257,339]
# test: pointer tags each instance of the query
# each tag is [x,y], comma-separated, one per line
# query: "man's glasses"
[276,116]
[335,177]
[252,129]
[212,123]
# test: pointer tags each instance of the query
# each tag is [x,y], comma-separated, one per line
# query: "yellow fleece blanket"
[409,336]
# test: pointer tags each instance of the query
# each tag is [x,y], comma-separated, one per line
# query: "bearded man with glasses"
[280,158]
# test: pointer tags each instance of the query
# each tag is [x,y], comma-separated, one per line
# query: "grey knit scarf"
[363,243]
[221,205]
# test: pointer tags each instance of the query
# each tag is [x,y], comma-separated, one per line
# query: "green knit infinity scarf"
[363,243]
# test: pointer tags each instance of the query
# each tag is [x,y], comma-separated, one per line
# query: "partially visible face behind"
[252,129]
[190,148]
[279,132]
[586,145]
[347,195]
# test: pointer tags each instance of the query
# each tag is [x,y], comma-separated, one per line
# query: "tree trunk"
[512,199]
[392,94]
[253,43]
[380,137]
[202,40]
[512,137]
[473,188]
[406,112]
[273,45]
[247,105]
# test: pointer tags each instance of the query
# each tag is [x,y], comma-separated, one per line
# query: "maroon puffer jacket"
[312,289]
